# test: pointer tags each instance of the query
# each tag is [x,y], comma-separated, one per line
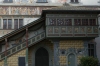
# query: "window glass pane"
[20,22]
[52,21]
[9,23]
[72,0]
[10,1]
[68,22]
[4,23]
[41,0]
[84,21]
[60,21]
[77,21]
[5,1]
[15,23]
[92,21]
[76,0]
[91,49]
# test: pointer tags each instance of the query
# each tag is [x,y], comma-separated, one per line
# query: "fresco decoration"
[63,30]
[89,29]
[22,10]
[76,29]
[82,30]
[69,30]
[95,29]
[56,30]
[62,1]
[50,30]
[4,11]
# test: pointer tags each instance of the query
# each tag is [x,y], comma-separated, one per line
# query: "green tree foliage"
[88,61]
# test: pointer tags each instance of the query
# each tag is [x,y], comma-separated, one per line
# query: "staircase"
[22,45]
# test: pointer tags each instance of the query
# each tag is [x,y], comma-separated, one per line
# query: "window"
[52,21]
[9,23]
[77,21]
[8,1]
[15,23]
[60,21]
[4,23]
[91,50]
[74,1]
[41,1]
[84,22]
[68,22]
[92,21]
[18,23]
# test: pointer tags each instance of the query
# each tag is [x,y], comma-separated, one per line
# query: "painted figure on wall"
[62,1]
[95,30]
[69,29]
[50,30]
[82,29]
[76,29]
[63,30]
[4,11]
[56,30]
[89,30]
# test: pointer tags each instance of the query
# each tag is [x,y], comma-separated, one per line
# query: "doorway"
[41,57]
[71,60]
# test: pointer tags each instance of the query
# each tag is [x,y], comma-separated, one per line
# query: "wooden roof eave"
[44,12]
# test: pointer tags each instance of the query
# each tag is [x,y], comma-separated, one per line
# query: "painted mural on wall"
[22,10]
[62,1]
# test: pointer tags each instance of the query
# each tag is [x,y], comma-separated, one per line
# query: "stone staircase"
[22,45]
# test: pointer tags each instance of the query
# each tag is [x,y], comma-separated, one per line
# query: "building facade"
[39,33]
[60,37]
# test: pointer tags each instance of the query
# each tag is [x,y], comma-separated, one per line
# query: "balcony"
[72,31]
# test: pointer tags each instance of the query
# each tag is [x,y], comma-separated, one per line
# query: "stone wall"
[13,59]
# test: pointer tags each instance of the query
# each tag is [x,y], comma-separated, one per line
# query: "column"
[26,47]
[56,53]
[5,61]
[86,48]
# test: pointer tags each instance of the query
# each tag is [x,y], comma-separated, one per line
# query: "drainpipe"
[5,61]
[26,46]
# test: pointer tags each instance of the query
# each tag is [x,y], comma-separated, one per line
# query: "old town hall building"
[61,36]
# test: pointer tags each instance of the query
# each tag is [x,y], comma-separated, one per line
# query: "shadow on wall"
[97,40]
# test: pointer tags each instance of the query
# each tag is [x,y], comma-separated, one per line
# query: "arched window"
[41,1]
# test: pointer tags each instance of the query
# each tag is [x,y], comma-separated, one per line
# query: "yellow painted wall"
[13,59]
[65,44]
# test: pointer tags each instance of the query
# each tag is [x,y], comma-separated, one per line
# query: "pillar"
[26,47]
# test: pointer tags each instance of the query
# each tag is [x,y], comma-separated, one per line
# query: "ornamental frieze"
[22,10]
